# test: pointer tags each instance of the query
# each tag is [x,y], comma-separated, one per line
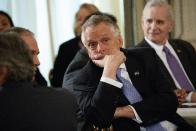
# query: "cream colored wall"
[138,29]
[185,20]
[114,7]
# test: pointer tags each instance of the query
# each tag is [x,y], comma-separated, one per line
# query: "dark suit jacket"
[79,61]
[65,55]
[39,79]
[98,100]
[187,55]
[25,108]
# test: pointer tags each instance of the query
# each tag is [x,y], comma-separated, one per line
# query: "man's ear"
[172,24]
[3,74]
[120,41]
[142,22]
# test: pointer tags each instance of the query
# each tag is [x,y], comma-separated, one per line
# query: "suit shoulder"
[74,77]
[142,55]
[182,44]
[180,41]
[141,50]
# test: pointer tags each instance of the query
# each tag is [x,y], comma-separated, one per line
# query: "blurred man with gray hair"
[24,107]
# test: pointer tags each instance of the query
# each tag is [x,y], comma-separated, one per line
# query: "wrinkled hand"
[124,111]
[181,95]
[111,62]
[113,58]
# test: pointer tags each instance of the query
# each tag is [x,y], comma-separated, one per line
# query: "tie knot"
[118,73]
[167,51]
[122,74]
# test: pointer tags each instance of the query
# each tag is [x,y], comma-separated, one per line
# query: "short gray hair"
[152,3]
[16,57]
[20,31]
[97,18]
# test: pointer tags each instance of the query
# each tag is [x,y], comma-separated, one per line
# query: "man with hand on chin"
[119,87]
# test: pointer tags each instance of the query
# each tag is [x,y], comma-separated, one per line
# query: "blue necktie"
[133,96]
[177,70]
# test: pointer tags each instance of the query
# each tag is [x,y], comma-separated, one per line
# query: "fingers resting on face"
[112,59]
[181,95]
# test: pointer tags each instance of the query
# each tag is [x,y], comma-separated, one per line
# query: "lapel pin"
[136,73]
[179,51]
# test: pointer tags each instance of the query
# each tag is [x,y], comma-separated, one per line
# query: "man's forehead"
[90,36]
[101,28]
[31,42]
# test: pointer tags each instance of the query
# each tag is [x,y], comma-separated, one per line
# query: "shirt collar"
[122,66]
[157,47]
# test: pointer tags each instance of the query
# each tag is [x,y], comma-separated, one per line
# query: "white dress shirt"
[168,126]
[162,56]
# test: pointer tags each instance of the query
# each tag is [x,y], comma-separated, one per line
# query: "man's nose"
[99,47]
[36,61]
[153,25]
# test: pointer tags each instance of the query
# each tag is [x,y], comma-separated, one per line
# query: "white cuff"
[188,98]
[137,118]
[111,82]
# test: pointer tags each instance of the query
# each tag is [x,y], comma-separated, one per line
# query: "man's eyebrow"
[34,52]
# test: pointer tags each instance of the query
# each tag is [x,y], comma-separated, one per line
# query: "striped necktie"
[133,95]
[177,70]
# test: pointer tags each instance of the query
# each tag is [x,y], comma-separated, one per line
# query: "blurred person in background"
[23,107]
[31,42]
[5,21]
[157,22]
[68,49]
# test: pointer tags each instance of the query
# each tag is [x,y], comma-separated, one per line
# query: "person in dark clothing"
[30,40]
[23,107]
[157,22]
[5,21]
[68,49]
[98,84]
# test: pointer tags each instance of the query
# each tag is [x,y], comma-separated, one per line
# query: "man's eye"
[34,53]
[92,45]
[160,22]
[4,24]
[149,21]
[105,40]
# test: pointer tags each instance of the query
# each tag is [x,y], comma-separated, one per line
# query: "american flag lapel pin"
[136,73]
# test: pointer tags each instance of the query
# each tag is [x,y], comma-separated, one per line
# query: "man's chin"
[97,58]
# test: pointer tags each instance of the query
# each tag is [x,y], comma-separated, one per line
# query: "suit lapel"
[161,66]
[179,53]
[135,72]
[132,69]
[184,59]
[166,72]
